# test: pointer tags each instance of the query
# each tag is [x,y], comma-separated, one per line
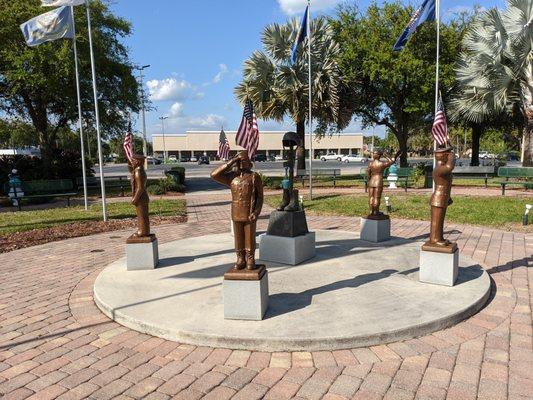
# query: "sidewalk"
[55,343]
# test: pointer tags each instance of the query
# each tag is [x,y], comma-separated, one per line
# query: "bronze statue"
[246,203]
[440,200]
[375,182]
[290,200]
[140,200]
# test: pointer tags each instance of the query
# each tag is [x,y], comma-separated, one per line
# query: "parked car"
[486,154]
[172,158]
[331,157]
[193,159]
[260,157]
[203,160]
[153,161]
[278,157]
[354,158]
[185,159]
[271,158]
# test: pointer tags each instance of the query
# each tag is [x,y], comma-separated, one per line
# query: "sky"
[196,50]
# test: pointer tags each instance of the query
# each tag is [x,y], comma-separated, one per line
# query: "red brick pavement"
[54,342]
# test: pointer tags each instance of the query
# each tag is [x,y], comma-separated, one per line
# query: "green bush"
[155,189]
[177,173]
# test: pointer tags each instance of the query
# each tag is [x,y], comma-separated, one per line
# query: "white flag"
[59,3]
[53,25]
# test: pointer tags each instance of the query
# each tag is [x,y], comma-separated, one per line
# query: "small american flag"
[440,126]
[248,133]
[223,146]
[128,144]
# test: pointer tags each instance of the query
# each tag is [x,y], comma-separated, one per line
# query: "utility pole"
[162,118]
[145,150]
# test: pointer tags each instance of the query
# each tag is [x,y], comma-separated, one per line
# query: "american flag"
[440,126]
[128,144]
[248,133]
[223,146]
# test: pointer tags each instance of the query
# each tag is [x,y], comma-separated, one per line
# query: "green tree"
[37,84]
[495,71]
[394,89]
[279,88]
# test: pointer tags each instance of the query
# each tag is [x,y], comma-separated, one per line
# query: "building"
[206,143]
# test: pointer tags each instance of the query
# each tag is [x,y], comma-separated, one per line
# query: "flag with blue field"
[302,33]
[426,12]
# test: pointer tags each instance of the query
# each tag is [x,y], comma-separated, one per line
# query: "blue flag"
[426,12]
[55,24]
[302,33]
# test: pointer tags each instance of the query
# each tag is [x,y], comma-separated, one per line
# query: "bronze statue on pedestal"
[375,182]
[440,200]
[290,200]
[140,200]
[246,203]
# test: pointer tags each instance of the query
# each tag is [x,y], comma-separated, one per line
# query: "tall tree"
[279,89]
[495,71]
[37,84]
[394,89]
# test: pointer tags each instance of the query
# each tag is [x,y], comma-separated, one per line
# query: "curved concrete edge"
[317,344]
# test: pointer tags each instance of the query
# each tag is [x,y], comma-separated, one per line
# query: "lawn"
[498,212]
[20,221]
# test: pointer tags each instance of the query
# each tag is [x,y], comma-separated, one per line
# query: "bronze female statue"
[140,198]
[246,203]
[440,200]
[375,182]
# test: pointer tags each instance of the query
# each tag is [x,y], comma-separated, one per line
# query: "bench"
[329,172]
[44,189]
[516,173]
[362,177]
[93,182]
[475,172]
[405,174]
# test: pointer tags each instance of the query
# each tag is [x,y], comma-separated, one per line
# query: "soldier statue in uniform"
[440,200]
[246,203]
[140,200]
[375,181]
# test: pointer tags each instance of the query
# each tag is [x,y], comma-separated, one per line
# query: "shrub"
[155,189]
[177,173]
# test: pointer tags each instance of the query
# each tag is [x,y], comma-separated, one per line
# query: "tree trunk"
[300,150]
[527,141]
[477,131]
[402,142]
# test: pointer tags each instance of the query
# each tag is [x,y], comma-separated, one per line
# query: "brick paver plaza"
[55,343]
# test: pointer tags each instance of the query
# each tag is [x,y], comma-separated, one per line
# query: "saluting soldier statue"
[140,200]
[375,182]
[440,200]
[246,203]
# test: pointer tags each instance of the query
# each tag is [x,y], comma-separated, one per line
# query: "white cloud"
[291,7]
[223,70]
[176,110]
[172,89]
[208,121]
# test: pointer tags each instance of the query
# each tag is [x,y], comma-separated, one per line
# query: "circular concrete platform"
[352,294]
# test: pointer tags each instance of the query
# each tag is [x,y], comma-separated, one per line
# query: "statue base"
[375,228]
[141,253]
[287,223]
[245,293]
[287,250]
[438,267]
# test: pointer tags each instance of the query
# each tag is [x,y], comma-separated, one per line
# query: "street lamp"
[162,118]
[145,150]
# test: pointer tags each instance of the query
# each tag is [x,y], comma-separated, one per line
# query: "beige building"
[206,143]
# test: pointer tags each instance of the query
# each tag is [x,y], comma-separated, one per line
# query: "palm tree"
[279,88]
[495,71]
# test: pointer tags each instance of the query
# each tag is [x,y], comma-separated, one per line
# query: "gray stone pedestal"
[439,268]
[140,256]
[375,230]
[287,250]
[245,299]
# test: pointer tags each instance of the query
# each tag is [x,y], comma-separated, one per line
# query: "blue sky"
[196,50]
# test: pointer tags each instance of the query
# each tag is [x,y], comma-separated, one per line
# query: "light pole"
[162,118]
[145,151]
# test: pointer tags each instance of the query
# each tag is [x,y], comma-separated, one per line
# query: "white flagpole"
[96,114]
[310,122]
[82,144]
[437,17]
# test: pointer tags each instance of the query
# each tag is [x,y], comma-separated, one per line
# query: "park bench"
[362,177]
[93,182]
[475,172]
[405,175]
[319,172]
[44,189]
[521,176]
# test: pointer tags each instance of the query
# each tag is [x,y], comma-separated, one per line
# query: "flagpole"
[82,144]
[96,114]
[310,103]
[437,17]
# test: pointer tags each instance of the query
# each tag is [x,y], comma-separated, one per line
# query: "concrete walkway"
[55,343]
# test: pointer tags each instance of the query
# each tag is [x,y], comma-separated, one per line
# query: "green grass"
[26,220]
[499,212]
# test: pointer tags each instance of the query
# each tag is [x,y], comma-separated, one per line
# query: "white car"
[331,157]
[354,158]
[172,158]
[278,157]
[486,154]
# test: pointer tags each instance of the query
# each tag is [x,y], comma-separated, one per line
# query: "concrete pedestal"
[140,256]
[245,299]
[375,230]
[287,250]
[439,268]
